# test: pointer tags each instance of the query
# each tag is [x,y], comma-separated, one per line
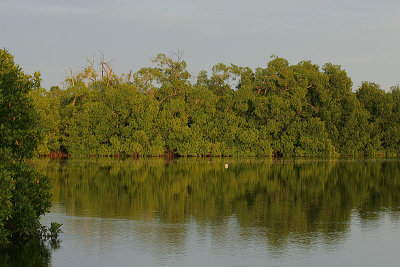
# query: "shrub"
[24,194]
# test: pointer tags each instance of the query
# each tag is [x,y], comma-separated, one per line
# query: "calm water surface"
[194,212]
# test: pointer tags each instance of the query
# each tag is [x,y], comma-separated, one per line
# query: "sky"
[52,36]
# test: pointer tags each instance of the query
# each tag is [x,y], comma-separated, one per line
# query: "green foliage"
[286,110]
[6,189]
[24,194]
[383,116]
[47,104]
[30,199]
[18,129]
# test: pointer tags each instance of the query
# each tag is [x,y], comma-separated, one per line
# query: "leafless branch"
[179,55]
[313,107]
[72,77]
[129,76]
[91,62]
[168,96]
[109,77]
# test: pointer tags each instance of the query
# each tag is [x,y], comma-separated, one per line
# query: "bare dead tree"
[72,77]
[170,63]
[105,67]
[109,77]
[129,76]
[89,74]
[101,63]
[179,55]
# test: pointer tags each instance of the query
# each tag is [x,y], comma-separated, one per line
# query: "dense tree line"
[280,110]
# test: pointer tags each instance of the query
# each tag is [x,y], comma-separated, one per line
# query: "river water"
[197,212]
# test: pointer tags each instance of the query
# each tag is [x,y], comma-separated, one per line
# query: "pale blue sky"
[53,35]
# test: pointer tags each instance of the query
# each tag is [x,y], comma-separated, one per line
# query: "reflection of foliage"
[34,252]
[286,197]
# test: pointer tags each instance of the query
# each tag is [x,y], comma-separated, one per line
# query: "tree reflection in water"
[32,252]
[273,201]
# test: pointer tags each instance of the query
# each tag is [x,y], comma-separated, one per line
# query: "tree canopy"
[281,110]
